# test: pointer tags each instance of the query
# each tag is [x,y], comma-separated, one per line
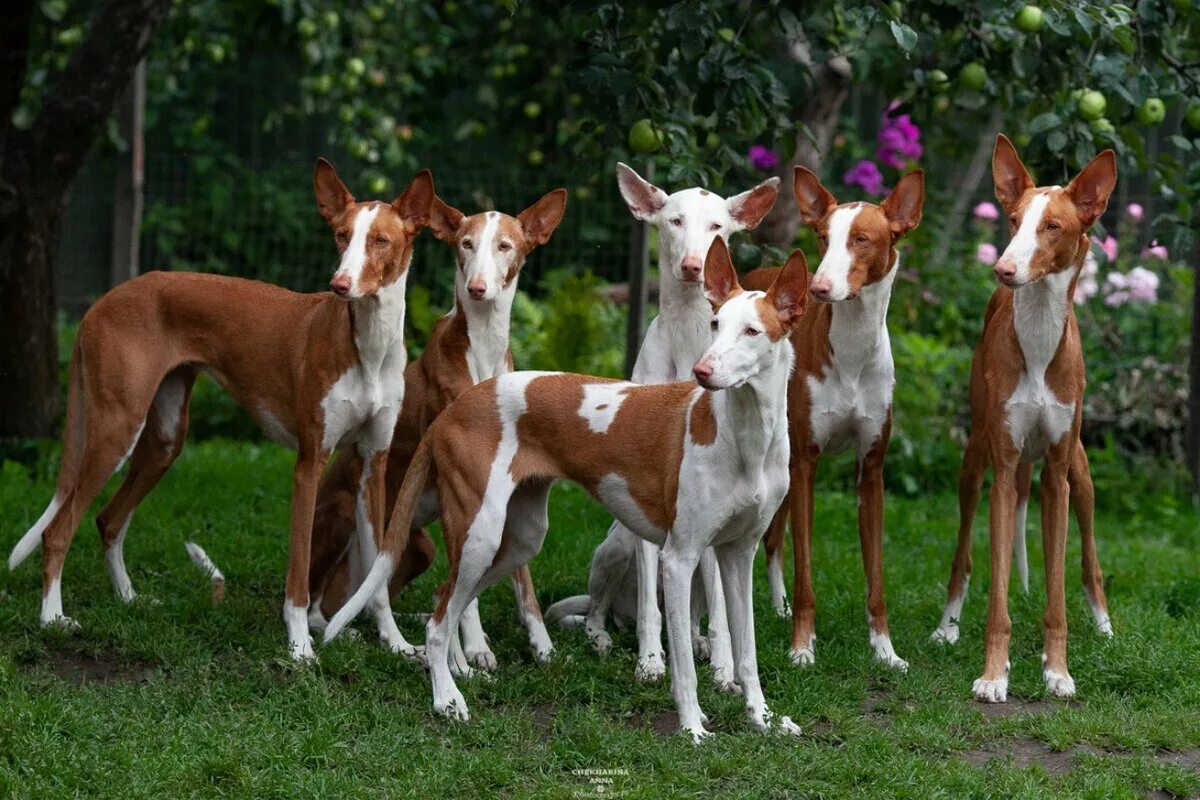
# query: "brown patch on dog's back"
[704,424]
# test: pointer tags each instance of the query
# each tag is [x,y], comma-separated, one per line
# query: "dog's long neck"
[859,326]
[1040,313]
[378,321]
[488,323]
[752,416]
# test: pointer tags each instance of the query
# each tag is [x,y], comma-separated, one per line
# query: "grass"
[180,698]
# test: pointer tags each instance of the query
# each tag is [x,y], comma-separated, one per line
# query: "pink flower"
[1142,285]
[1110,248]
[763,158]
[1135,212]
[1087,287]
[867,175]
[899,139]
[986,253]
[986,211]
[1156,250]
[1116,289]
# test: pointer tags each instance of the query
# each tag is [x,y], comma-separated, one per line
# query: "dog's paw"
[483,659]
[601,642]
[945,634]
[802,656]
[991,691]
[453,705]
[650,668]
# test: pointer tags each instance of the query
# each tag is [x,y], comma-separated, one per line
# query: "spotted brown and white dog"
[317,371]
[1027,382]
[623,577]
[841,391]
[682,465]
[468,345]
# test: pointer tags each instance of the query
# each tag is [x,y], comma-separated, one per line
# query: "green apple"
[533,110]
[1029,19]
[973,77]
[1151,112]
[1102,127]
[536,157]
[712,141]
[938,80]
[1091,105]
[378,184]
[332,20]
[322,84]
[643,138]
[356,66]
[727,34]
[1193,116]
[307,27]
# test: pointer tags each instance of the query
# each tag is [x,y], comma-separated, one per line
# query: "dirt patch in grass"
[1026,753]
[664,723]
[1016,707]
[82,669]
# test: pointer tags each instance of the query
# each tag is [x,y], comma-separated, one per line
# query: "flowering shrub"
[898,145]
[763,158]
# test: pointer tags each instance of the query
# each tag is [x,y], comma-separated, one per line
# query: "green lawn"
[177,697]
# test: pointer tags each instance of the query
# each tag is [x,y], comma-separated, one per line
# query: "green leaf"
[906,37]
[1182,142]
[1044,122]
[1056,141]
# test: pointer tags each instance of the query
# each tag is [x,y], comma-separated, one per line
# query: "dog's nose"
[340,284]
[477,288]
[691,267]
[1006,270]
[821,287]
[703,371]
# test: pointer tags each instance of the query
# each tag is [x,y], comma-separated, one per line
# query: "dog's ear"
[444,220]
[1011,178]
[903,206]
[1092,187]
[789,293]
[332,194]
[644,199]
[539,221]
[814,200]
[749,208]
[720,278]
[414,203]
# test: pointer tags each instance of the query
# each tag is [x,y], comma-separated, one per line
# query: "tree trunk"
[1193,427]
[37,168]
[830,81]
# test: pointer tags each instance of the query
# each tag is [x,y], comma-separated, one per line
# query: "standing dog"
[686,222]
[841,391]
[1027,382]
[468,345]
[316,370]
[687,467]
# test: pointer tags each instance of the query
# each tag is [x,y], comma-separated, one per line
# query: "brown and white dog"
[317,371]
[682,465]
[840,395]
[1027,382]
[468,345]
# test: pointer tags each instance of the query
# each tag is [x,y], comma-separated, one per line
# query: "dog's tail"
[68,471]
[564,611]
[200,559]
[395,540]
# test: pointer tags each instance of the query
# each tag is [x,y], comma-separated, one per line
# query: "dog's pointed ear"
[539,221]
[720,278]
[814,200]
[1011,178]
[789,293]
[644,199]
[749,208]
[415,202]
[903,206]
[444,219]
[1092,187]
[332,194]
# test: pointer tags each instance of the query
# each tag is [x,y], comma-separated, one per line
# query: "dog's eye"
[752,332]
[504,247]
[716,226]
[467,244]
[860,239]
[1051,226]
[713,324]
[383,241]
[677,221]
[1013,220]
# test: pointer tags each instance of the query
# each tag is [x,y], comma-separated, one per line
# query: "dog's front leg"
[309,465]
[720,653]
[736,561]
[992,686]
[650,666]
[679,565]
[1054,540]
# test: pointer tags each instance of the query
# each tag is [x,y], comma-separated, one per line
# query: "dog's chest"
[360,396]
[850,398]
[1036,419]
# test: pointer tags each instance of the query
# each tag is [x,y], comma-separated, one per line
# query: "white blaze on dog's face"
[688,220]
[1048,225]
[748,327]
[491,247]
[856,240]
[374,239]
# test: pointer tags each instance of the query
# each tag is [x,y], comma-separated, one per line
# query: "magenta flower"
[986,211]
[899,139]
[763,158]
[986,253]
[867,175]
[1135,212]
[1156,250]
[1109,246]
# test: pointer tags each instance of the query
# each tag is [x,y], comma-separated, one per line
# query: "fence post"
[130,181]
[1192,446]
[639,266]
